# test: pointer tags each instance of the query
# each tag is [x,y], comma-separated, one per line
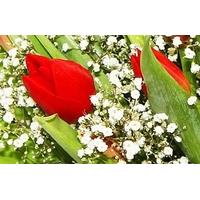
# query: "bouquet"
[100,99]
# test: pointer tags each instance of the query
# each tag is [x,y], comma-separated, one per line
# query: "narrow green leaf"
[137,39]
[38,46]
[62,133]
[8,160]
[49,47]
[165,95]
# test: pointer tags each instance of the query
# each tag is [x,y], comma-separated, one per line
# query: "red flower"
[59,86]
[169,66]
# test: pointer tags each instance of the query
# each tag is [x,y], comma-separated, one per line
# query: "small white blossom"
[140,108]
[1,76]
[84,44]
[160,42]
[5,135]
[88,151]
[30,102]
[192,100]
[168,151]
[85,139]
[178,139]
[122,42]
[195,68]
[12,52]
[2,145]
[95,99]
[115,114]
[8,117]
[173,58]
[81,153]
[18,143]
[65,47]
[24,137]
[177,41]
[171,127]
[35,126]
[40,140]
[96,67]
[131,149]
[160,117]
[132,126]
[114,78]
[138,83]
[135,94]
[111,40]
[189,53]
[159,130]
[102,129]
[15,62]
[183,160]
[198,91]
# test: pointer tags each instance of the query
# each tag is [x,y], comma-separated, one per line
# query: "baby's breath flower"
[192,100]
[177,41]
[189,53]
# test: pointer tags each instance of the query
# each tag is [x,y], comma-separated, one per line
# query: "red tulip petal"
[74,81]
[173,70]
[68,109]
[33,62]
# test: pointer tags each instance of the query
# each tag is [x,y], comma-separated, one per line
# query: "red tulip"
[59,86]
[169,66]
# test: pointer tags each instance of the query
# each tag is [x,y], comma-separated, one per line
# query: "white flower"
[40,140]
[12,52]
[171,127]
[111,40]
[1,76]
[183,160]
[18,143]
[122,42]
[132,126]
[81,153]
[159,130]
[106,103]
[95,99]
[85,139]
[139,108]
[110,62]
[173,58]
[178,139]
[114,78]
[195,68]
[131,149]
[8,117]
[30,102]
[198,91]
[96,67]
[160,117]
[81,119]
[24,137]
[35,126]
[160,42]
[115,114]
[102,129]
[1,145]
[138,83]
[168,151]
[84,44]
[189,53]
[177,41]
[6,102]
[5,135]
[6,62]
[192,100]
[15,62]
[135,94]
[24,44]
[88,151]
[141,141]
[65,47]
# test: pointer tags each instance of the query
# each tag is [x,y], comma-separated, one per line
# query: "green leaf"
[49,47]
[165,95]
[137,39]
[38,46]
[62,133]
[8,160]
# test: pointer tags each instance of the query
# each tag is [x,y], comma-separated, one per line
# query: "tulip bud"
[59,86]
[169,66]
